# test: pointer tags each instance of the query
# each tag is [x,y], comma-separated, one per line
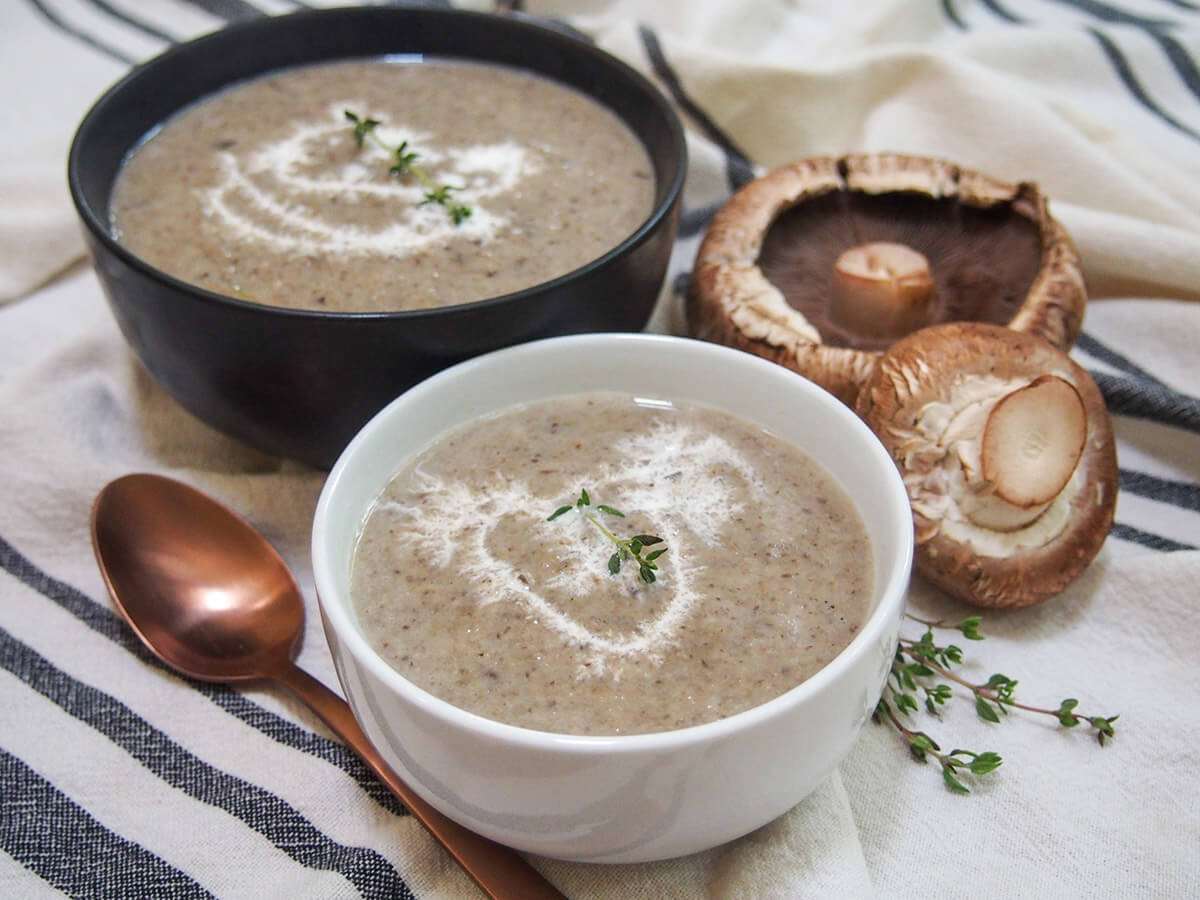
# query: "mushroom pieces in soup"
[467,181]
[504,569]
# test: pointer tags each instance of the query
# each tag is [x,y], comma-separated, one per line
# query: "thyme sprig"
[627,548]
[404,162]
[914,673]
[921,745]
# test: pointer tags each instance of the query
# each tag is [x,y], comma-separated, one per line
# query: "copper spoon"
[211,598]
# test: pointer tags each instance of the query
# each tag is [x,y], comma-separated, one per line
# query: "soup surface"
[466,585]
[261,191]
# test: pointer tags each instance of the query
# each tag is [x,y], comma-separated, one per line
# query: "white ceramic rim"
[335,602]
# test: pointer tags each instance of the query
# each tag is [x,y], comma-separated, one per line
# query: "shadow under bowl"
[298,383]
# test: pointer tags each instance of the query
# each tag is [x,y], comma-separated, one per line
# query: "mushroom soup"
[263,191]
[489,571]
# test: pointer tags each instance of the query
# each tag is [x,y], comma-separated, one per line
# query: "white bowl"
[636,797]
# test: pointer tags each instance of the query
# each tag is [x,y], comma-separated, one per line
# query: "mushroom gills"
[982,262]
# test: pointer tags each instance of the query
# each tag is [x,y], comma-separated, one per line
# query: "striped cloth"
[120,779]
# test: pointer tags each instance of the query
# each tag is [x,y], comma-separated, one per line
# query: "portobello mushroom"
[822,264]
[1007,451]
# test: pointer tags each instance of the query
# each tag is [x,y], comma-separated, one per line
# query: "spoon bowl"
[210,597]
[203,590]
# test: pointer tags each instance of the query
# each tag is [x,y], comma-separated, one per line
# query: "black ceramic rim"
[241,33]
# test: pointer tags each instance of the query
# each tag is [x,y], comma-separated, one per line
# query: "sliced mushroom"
[1007,451]
[824,263]
[1032,442]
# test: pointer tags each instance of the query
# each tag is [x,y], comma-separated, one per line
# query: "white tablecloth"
[118,778]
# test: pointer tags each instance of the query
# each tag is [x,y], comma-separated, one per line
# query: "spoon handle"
[500,871]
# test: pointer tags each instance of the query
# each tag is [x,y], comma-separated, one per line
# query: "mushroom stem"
[882,289]
[1024,454]
[1033,440]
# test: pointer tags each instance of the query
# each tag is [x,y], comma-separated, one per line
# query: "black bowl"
[300,383]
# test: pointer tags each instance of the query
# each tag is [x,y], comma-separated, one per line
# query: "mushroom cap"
[933,378]
[762,276]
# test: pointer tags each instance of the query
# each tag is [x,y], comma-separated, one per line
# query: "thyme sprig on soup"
[468,589]
[404,161]
[628,549]
[258,191]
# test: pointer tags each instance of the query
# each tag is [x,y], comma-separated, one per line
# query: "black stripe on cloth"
[952,14]
[739,171]
[1111,14]
[694,221]
[38,821]
[1163,490]
[124,18]
[1176,53]
[1003,13]
[292,735]
[229,10]
[107,623]
[372,874]
[1152,541]
[1148,400]
[83,37]
[1181,60]
[1107,355]
[1125,72]
[679,285]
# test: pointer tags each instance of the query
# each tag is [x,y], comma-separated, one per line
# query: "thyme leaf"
[628,549]
[404,163]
